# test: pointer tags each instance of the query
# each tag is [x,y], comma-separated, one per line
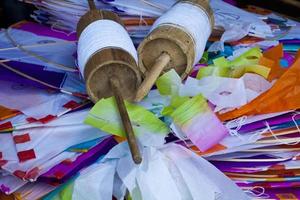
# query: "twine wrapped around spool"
[108,61]
[178,35]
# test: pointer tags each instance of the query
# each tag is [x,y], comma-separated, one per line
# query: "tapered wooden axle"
[161,62]
[92,5]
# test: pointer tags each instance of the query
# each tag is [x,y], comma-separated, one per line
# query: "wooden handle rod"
[136,156]
[92,4]
[161,62]
[115,87]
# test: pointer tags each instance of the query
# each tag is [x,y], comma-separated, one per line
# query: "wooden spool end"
[174,41]
[107,63]
[171,40]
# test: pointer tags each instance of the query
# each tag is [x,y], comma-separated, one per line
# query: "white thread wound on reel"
[100,35]
[192,20]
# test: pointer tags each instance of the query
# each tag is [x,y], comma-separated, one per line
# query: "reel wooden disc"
[172,40]
[108,62]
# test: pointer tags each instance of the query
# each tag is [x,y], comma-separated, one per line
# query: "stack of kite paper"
[258,101]
[139,15]
[43,104]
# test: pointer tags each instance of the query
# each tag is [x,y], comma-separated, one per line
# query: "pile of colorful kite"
[231,130]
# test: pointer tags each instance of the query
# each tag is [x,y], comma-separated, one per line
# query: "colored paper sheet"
[33,191]
[6,113]
[226,93]
[10,183]
[168,83]
[65,170]
[34,102]
[28,162]
[283,96]
[247,62]
[172,163]
[196,120]
[271,121]
[282,194]
[22,122]
[42,30]
[24,46]
[32,143]
[270,185]
[105,116]
[271,58]
[37,76]
[64,192]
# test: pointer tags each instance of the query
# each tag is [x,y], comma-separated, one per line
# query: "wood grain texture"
[107,63]
[172,40]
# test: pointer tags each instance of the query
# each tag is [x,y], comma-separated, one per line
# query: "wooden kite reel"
[109,67]
[171,45]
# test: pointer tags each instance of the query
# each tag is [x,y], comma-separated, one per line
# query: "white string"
[142,21]
[193,20]
[240,122]
[236,133]
[258,134]
[60,31]
[278,139]
[254,192]
[294,120]
[102,34]
[19,58]
[153,5]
